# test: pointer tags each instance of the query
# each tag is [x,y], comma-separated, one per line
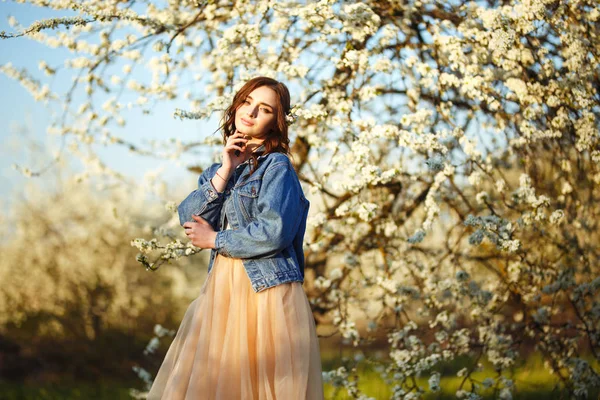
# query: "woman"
[250,334]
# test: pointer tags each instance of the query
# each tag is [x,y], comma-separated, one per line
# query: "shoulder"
[279,172]
[279,167]
[277,160]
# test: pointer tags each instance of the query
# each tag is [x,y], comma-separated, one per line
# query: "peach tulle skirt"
[234,343]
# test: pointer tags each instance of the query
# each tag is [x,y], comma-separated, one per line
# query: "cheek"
[269,121]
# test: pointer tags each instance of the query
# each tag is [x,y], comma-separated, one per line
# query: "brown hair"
[277,140]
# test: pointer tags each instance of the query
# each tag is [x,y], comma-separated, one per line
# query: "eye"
[246,102]
[266,110]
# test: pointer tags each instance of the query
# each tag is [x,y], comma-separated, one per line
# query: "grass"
[532,381]
[536,384]
[63,391]
[531,378]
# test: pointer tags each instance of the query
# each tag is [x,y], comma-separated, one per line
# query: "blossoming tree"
[450,149]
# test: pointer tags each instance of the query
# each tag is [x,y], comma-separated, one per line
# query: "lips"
[246,122]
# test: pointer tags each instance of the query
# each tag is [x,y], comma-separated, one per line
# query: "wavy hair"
[277,140]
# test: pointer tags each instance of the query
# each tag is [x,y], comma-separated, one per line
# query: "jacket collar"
[259,150]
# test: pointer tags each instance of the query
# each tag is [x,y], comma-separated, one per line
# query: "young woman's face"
[256,115]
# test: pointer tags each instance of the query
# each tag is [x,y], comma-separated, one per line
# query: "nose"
[251,112]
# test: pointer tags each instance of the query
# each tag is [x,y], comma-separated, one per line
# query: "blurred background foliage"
[74,303]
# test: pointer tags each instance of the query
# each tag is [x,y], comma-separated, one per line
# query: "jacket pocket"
[248,195]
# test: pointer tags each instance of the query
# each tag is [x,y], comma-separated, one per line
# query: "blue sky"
[17,108]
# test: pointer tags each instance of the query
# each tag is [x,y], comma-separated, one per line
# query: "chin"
[244,130]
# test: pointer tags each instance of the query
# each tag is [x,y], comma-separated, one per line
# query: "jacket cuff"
[220,241]
[210,192]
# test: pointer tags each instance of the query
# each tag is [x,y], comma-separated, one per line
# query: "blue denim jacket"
[266,213]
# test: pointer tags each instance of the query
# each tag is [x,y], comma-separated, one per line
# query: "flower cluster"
[292,115]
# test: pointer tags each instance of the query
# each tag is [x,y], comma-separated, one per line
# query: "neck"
[254,143]
[251,145]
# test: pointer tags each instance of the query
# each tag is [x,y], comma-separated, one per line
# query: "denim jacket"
[266,213]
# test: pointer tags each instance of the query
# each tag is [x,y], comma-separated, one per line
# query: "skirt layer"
[234,343]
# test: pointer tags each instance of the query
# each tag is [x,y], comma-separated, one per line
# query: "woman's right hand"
[235,142]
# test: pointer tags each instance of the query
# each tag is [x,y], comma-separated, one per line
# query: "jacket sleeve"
[204,201]
[280,212]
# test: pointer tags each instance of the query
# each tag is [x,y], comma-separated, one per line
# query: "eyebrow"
[268,105]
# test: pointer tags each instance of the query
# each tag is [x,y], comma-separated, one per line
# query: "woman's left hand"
[200,233]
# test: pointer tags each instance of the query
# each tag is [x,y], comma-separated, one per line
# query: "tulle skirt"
[234,343]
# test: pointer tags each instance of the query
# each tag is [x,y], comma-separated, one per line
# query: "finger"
[239,134]
[238,140]
[240,145]
[233,147]
[200,219]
